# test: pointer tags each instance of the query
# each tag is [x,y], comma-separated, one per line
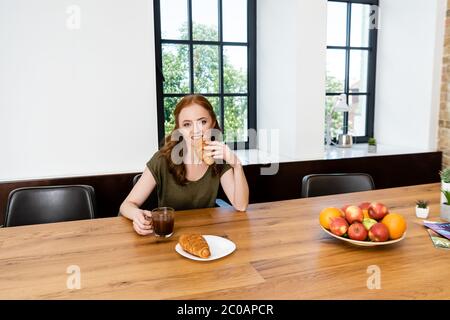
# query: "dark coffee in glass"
[163,220]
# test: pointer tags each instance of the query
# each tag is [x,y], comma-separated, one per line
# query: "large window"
[208,47]
[351,63]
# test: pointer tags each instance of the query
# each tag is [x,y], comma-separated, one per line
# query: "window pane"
[206,69]
[175,59]
[358,70]
[235,69]
[357,115]
[215,102]
[359,34]
[174,19]
[234,16]
[335,70]
[337,118]
[336,24]
[205,20]
[169,118]
[236,122]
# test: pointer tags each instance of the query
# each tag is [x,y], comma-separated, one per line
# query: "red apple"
[357,231]
[364,205]
[338,226]
[345,207]
[379,232]
[377,210]
[354,214]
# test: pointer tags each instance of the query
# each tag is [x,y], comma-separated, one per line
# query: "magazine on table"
[438,240]
[443,228]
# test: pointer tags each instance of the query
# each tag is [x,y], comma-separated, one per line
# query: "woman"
[183,178]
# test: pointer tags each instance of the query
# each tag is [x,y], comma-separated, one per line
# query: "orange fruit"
[396,225]
[366,213]
[327,214]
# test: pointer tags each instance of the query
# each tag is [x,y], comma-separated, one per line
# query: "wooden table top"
[282,253]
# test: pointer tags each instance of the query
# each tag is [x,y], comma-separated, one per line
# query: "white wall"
[291,49]
[409,63]
[76,102]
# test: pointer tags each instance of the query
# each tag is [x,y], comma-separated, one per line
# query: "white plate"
[218,246]
[364,243]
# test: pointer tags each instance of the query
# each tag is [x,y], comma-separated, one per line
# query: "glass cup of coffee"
[163,219]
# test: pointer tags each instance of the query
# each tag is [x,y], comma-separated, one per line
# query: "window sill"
[255,156]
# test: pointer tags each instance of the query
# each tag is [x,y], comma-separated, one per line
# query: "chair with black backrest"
[314,185]
[48,204]
[219,202]
[152,200]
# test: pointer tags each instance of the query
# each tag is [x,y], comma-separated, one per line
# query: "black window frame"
[251,69]
[371,70]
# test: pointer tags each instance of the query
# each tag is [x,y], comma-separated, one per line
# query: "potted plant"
[372,145]
[445,182]
[422,209]
[445,207]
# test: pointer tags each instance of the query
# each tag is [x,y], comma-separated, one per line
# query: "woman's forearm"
[129,209]
[240,188]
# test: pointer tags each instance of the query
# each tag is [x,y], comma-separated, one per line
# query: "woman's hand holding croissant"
[219,150]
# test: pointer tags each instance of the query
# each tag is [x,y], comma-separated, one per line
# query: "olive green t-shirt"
[194,195]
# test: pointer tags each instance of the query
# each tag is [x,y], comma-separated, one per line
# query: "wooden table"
[282,253]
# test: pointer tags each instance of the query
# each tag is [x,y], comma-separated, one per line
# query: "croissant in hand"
[199,146]
[195,244]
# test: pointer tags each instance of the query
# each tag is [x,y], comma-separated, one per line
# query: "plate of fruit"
[367,224]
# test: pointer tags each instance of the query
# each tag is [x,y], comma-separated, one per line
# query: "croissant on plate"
[199,145]
[195,244]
